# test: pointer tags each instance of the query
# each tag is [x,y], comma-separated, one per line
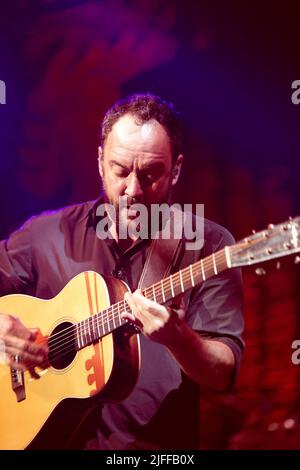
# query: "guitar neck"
[187,278]
[109,319]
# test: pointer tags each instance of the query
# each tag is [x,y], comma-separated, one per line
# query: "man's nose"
[134,187]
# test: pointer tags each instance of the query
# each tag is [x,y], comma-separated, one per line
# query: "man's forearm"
[209,363]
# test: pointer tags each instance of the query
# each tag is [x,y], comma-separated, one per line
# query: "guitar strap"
[162,253]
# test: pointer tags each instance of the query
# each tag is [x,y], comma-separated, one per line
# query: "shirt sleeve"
[215,307]
[16,271]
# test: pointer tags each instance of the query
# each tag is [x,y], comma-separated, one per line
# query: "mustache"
[125,201]
[129,201]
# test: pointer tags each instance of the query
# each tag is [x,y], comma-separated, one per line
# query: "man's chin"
[132,228]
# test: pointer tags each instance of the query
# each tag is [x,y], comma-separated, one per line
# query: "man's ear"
[100,161]
[177,169]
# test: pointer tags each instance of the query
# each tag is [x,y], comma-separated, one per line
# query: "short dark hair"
[146,106]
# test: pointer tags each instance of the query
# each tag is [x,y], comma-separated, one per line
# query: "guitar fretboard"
[95,327]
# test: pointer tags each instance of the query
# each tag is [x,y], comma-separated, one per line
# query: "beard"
[125,210]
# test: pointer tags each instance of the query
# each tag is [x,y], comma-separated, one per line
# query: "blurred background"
[229,68]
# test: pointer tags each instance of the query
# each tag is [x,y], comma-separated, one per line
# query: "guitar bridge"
[17,382]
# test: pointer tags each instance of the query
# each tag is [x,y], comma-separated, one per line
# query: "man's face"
[136,164]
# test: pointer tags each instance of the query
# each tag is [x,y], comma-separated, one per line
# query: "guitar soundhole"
[62,346]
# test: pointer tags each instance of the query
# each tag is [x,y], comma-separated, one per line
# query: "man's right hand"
[18,345]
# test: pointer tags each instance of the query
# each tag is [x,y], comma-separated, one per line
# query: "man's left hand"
[158,322]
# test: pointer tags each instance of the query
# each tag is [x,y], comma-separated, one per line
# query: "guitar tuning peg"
[254,232]
[260,271]
[270,226]
[278,265]
[297,260]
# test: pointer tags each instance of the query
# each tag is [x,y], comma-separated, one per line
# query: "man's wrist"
[180,336]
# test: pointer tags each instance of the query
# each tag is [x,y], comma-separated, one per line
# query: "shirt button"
[119,273]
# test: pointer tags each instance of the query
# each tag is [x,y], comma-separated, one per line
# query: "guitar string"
[73,331]
[93,321]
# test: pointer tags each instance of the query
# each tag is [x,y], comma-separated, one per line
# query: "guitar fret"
[227,256]
[192,276]
[119,313]
[105,324]
[181,281]
[93,337]
[97,336]
[97,325]
[202,269]
[77,335]
[102,323]
[124,310]
[172,289]
[113,318]
[82,328]
[89,331]
[153,290]
[89,334]
[214,264]
[162,290]
[82,334]
[107,320]
[92,327]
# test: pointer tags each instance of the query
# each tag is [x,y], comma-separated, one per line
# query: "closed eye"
[152,174]
[122,173]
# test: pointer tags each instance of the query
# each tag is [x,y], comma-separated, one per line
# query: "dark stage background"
[229,67]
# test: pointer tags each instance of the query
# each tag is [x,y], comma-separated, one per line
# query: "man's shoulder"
[214,235]
[70,214]
[217,233]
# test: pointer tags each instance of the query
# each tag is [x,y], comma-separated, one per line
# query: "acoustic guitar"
[94,353]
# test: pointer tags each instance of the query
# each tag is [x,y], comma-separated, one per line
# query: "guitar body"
[65,396]
[50,411]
